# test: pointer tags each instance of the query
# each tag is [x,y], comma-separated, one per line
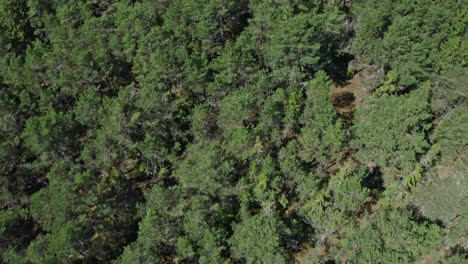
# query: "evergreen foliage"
[186,131]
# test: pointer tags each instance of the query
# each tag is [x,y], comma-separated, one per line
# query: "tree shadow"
[422,219]
[374,181]
[343,99]
[338,70]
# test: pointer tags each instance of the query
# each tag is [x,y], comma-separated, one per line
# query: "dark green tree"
[258,239]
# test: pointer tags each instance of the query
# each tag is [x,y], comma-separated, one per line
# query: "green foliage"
[270,124]
[391,130]
[236,111]
[388,85]
[51,133]
[133,22]
[203,123]
[14,23]
[405,35]
[157,234]
[291,115]
[322,136]
[57,248]
[257,239]
[329,209]
[445,200]
[414,177]
[431,156]
[10,222]
[206,169]
[451,132]
[267,181]
[235,118]
[391,237]
[205,233]
[87,108]
[347,189]
[187,131]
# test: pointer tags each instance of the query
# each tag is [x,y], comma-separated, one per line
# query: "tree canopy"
[218,131]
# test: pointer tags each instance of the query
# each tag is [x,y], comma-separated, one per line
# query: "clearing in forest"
[348,96]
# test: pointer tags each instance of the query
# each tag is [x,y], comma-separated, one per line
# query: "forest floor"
[348,96]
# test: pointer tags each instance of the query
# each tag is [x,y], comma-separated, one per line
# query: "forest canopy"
[219,131]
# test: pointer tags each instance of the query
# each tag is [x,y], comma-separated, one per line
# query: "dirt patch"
[443,171]
[344,99]
[348,95]
[308,254]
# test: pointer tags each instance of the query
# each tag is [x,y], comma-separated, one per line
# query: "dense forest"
[221,131]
